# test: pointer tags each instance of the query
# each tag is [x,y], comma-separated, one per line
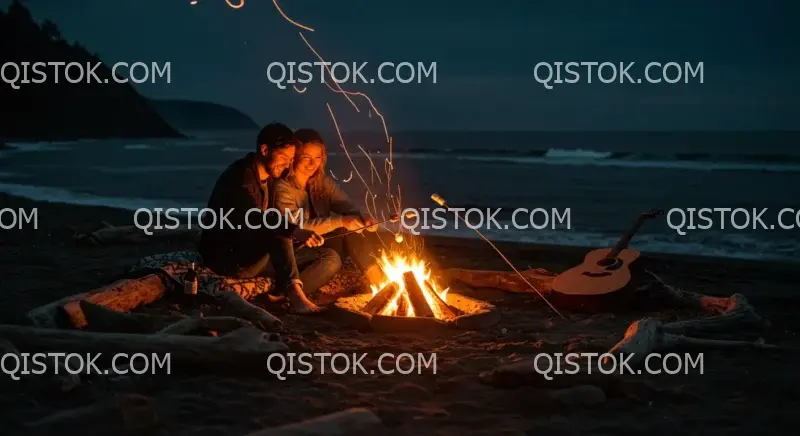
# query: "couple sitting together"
[286,172]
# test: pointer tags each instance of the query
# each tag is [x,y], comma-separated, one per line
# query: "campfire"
[412,299]
[409,291]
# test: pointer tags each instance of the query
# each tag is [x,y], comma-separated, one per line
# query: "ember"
[409,291]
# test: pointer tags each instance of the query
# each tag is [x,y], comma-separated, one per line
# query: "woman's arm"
[340,202]
[287,199]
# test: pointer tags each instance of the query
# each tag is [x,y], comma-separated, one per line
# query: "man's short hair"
[276,135]
[308,135]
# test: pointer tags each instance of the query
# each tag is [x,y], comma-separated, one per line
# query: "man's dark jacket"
[233,245]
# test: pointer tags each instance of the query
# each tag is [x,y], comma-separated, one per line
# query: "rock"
[584,396]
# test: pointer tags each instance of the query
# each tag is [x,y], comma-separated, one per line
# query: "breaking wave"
[579,157]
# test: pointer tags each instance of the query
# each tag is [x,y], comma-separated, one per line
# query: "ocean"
[604,180]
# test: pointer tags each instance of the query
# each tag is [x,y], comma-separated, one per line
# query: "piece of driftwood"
[122,295]
[447,312]
[381,299]
[347,422]
[56,375]
[102,319]
[416,297]
[127,414]
[110,234]
[507,281]
[649,335]
[242,347]
[218,324]
[236,306]
[733,311]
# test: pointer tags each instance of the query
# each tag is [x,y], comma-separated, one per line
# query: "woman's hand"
[308,238]
[371,222]
[352,223]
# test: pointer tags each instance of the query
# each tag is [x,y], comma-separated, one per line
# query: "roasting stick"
[439,200]
[393,218]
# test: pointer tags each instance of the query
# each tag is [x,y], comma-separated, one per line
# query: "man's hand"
[352,223]
[371,222]
[309,238]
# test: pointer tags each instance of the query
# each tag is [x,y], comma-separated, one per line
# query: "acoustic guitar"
[603,271]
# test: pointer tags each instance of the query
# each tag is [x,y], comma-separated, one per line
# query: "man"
[244,248]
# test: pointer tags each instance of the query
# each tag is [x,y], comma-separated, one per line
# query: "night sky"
[485,56]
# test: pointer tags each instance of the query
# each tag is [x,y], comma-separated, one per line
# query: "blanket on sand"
[175,264]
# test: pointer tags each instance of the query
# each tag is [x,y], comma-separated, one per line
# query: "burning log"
[381,299]
[416,297]
[447,312]
[402,306]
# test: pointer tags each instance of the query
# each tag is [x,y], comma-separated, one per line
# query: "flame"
[394,267]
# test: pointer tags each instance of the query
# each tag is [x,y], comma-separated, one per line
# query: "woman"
[326,208]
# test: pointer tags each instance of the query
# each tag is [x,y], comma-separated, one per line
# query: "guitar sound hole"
[607,261]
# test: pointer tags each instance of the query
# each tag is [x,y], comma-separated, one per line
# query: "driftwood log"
[243,347]
[507,281]
[216,324]
[416,297]
[106,308]
[236,306]
[111,234]
[124,415]
[122,295]
[102,319]
[347,422]
[649,335]
[644,336]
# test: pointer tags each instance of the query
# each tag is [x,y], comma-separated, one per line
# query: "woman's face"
[309,159]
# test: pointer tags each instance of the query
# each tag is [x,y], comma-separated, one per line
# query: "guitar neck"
[626,238]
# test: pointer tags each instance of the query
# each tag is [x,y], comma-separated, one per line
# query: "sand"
[740,391]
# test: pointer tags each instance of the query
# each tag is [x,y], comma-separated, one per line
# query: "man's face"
[279,161]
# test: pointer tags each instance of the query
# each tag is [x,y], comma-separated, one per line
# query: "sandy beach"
[740,391]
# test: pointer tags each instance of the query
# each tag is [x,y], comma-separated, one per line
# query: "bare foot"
[275,299]
[299,303]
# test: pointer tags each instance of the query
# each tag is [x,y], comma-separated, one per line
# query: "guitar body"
[596,276]
[601,282]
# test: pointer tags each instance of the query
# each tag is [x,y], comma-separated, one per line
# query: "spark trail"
[336,88]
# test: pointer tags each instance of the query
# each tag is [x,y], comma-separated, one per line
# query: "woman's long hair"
[316,181]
